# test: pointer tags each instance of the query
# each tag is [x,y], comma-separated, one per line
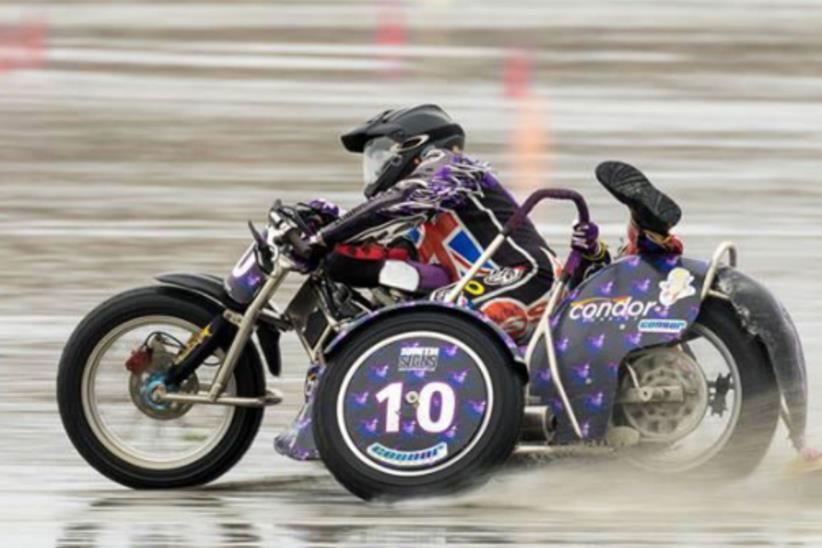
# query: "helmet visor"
[376,154]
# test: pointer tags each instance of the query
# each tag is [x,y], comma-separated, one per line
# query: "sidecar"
[652,350]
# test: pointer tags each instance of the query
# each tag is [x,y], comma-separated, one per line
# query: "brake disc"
[665,421]
[142,385]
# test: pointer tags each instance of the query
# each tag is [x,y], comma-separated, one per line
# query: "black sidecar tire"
[249,379]
[493,445]
[759,413]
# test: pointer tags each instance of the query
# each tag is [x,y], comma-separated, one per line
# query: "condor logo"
[609,309]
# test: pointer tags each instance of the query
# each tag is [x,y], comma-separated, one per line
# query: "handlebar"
[574,260]
[280,214]
[296,240]
[521,214]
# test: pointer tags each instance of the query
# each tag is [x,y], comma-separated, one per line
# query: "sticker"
[194,341]
[610,308]
[674,327]
[421,457]
[678,286]
[418,358]
[474,288]
[504,276]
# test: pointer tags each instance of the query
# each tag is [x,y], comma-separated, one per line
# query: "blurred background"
[137,138]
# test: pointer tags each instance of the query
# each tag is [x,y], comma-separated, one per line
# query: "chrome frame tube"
[245,329]
[726,247]
[204,398]
[486,255]
[544,329]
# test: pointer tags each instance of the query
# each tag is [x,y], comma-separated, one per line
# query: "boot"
[653,213]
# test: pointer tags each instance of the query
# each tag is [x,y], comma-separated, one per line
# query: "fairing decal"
[636,302]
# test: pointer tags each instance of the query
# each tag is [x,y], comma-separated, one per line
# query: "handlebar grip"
[300,246]
[521,214]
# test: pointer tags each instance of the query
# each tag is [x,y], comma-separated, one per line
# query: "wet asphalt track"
[151,132]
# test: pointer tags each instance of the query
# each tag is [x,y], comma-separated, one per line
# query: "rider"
[431,211]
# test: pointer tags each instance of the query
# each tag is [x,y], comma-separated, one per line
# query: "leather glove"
[309,260]
[318,213]
[585,239]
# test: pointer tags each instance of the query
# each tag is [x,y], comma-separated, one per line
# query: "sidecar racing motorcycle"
[675,364]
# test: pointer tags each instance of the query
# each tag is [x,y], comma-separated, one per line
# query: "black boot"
[650,208]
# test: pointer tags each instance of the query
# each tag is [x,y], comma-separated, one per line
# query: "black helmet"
[392,141]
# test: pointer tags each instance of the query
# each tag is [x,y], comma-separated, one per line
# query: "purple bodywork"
[614,312]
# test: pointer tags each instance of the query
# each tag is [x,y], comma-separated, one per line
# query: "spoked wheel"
[419,404]
[724,407]
[107,398]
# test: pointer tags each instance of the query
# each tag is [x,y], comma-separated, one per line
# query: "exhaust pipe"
[537,424]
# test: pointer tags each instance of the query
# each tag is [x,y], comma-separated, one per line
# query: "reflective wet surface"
[137,138]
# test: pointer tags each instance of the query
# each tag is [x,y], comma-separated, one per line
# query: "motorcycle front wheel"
[119,430]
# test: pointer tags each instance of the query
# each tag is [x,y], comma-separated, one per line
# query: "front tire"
[453,393]
[106,451]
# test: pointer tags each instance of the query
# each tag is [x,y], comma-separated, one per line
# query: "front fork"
[245,328]
[211,337]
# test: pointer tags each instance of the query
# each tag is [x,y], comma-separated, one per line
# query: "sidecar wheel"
[749,398]
[420,404]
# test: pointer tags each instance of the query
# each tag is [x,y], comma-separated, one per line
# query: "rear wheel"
[106,408]
[418,404]
[730,408]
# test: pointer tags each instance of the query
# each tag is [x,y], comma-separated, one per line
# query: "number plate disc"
[415,403]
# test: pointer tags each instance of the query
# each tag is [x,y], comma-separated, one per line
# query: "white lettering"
[610,309]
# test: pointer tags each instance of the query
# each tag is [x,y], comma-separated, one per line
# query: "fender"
[208,290]
[764,317]
[635,302]
[491,328]
[205,285]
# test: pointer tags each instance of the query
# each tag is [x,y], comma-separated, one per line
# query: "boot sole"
[651,208]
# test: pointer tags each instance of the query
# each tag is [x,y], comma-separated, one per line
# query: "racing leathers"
[426,231]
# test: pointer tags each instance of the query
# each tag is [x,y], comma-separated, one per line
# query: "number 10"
[393,394]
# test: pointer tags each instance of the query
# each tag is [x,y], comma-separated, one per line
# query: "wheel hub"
[147,385]
[665,421]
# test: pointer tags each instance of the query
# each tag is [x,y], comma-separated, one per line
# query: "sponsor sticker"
[610,309]
[662,326]
[678,286]
[419,358]
[420,457]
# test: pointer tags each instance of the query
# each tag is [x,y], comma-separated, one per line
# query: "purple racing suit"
[447,212]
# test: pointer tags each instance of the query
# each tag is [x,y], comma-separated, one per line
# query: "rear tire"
[151,301]
[759,415]
[470,463]
[759,401]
